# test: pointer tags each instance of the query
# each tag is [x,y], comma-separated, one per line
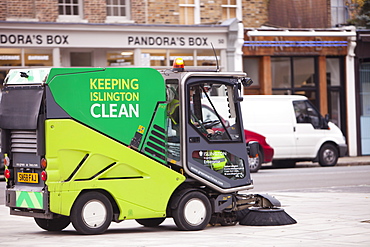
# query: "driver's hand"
[210,131]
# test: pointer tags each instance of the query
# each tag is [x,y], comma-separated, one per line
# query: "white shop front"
[102,45]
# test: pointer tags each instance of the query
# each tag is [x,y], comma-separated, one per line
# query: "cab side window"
[306,113]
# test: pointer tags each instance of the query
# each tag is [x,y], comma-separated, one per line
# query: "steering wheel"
[209,124]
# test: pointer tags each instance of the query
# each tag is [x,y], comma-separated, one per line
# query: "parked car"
[265,151]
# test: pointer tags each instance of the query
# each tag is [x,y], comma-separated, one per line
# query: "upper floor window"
[189,12]
[118,10]
[231,9]
[339,12]
[70,10]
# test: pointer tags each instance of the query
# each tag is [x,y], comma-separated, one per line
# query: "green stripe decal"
[26,199]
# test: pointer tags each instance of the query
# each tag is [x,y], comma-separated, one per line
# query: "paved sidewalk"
[323,220]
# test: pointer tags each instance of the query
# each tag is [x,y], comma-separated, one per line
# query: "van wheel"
[328,155]
[92,213]
[54,225]
[152,222]
[193,212]
[255,163]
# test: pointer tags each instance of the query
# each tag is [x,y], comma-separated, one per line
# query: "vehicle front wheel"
[54,225]
[328,155]
[92,213]
[193,212]
[255,163]
[152,222]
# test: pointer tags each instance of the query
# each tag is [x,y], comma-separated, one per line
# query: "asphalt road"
[308,179]
[314,179]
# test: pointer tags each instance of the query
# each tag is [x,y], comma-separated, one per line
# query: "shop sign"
[112,39]
[295,45]
[33,39]
[169,41]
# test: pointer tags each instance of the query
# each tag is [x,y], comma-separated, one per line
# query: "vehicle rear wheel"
[193,212]
[54,225]
[255,163]
[152,222]
[328,155]
[92,213]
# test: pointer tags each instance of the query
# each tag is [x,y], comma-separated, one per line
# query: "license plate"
[26,177]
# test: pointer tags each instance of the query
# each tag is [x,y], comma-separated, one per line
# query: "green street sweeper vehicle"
[96,145]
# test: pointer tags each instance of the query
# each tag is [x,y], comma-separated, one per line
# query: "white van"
[294,128]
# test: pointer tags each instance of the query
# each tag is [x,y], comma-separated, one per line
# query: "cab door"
[215,150]
[310,129]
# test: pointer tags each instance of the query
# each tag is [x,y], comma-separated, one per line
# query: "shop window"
[280,72]
[364,72]
[38,57]
[207,58]
[251,67]
[333,71]
[154,58]
[10,57]
[118,10]
[70,10]
[336,106]
[189,12]
[26,57]
[120,58]
[229,9]
[295,75]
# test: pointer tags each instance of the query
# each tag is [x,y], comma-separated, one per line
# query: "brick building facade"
[153,32]
[254,13]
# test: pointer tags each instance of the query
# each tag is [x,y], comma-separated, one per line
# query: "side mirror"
[252,149]
[327,118]
[247,81]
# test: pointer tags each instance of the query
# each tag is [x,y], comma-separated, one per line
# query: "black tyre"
[92,213]
[255,163]
[283,163]
[152,222]
[328,155]
[54,225]
[193,212]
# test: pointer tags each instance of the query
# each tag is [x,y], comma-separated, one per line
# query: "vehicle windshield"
[214,116]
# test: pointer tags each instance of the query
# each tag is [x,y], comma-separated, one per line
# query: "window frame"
[71,18]
[196,9]
[238,9]
[121,18]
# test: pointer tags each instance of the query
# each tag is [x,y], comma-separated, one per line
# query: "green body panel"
[80,158]
[114,101]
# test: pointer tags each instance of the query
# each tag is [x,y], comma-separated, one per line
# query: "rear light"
[43,163]
[44,176]
[7,173]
